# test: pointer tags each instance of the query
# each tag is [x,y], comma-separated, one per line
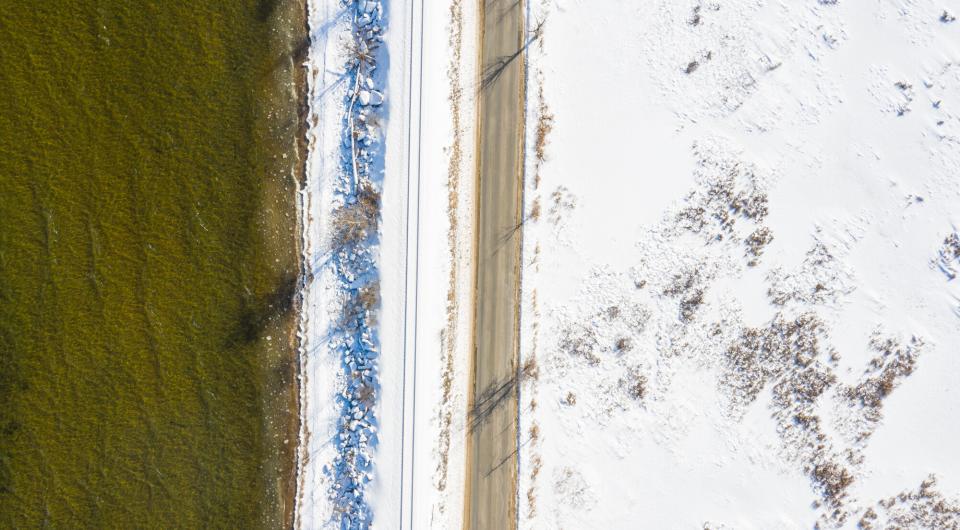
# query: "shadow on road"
[494,70]
[495,394]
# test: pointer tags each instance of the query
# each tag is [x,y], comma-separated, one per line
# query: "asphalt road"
[491,501]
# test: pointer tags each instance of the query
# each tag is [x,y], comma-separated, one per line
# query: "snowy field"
[740,304]
[383,377]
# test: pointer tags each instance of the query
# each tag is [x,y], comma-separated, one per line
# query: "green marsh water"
[147,264]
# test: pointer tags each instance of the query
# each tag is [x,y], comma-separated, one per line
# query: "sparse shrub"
[535,209]
[369,295]
[580,340]
[530,370]
[923,508]
[895,362]
[544,126]
[690,304]
[634,383]
[833,480]
[752,205]
[682,283]
[687,287]
[561,200]
[756,242]
[729,191]
[949,255]
[356,221]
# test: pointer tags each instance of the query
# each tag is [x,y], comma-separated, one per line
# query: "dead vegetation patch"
[832,479]
[688,286]
[924,507]
[794,359]
[530,370]
[580,341]
[561,201]
[760,355]
[356,221]
[544,127]
[729,191]
[821,278]
[634,384]
[756,242]
[895,361]
[368,296]
[791,355]
[535,209]
[454,162]
[948,257]
[536,466]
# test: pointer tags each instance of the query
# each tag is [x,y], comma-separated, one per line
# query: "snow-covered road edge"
[439,296]
[444,331]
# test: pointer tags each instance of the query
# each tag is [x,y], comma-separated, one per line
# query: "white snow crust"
[740,307]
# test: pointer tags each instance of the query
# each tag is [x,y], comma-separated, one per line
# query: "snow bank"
[387,318]
[341,208]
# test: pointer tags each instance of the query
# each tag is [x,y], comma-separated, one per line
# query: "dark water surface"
[147,264]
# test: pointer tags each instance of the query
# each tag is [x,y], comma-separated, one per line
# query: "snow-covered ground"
[739,303]
[409,437]
[441,311]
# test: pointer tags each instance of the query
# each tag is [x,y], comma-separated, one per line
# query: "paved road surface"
[491,501]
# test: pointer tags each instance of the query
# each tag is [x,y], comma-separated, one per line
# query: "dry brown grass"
[544,126]
[579,340]
[635,384]
[949,255]
[531,491]
[530,370]
[756,242]
[695,18]
[924,508]
[369,296]
[535,209]
[688,287]
[833,479]
[449,334]
[355,222]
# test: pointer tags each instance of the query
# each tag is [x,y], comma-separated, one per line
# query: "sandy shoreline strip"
[284,129]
